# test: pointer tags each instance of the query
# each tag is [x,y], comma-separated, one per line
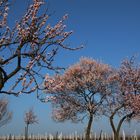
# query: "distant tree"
[27,47]
[79,92]
[5,115]
[124,102]
[30,118]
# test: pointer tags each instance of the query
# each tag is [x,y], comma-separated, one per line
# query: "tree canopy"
[28,47]
[80,91]
[91,88]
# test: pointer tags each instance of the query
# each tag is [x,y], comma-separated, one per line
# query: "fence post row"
[73,136]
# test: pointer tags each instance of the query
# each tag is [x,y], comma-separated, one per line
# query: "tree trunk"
[116,136]
[1,80]
[26,132]
[88,130]
[116,130]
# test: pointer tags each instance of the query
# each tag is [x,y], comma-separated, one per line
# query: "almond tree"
[79,92]
[5,115]
[27,47]
[124,101]
[30,118]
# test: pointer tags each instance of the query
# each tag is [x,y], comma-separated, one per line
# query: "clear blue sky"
[110,31]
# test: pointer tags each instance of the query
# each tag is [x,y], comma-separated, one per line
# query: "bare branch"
[5,115]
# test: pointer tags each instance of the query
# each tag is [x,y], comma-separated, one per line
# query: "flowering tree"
[5,115]
[79,92]
[125,98]
[27,47]
[30,118]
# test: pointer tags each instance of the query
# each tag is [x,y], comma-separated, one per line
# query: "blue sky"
[110,31]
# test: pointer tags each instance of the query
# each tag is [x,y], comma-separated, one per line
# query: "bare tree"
[79,92]
[28,47]
[5,115]
[30,118]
